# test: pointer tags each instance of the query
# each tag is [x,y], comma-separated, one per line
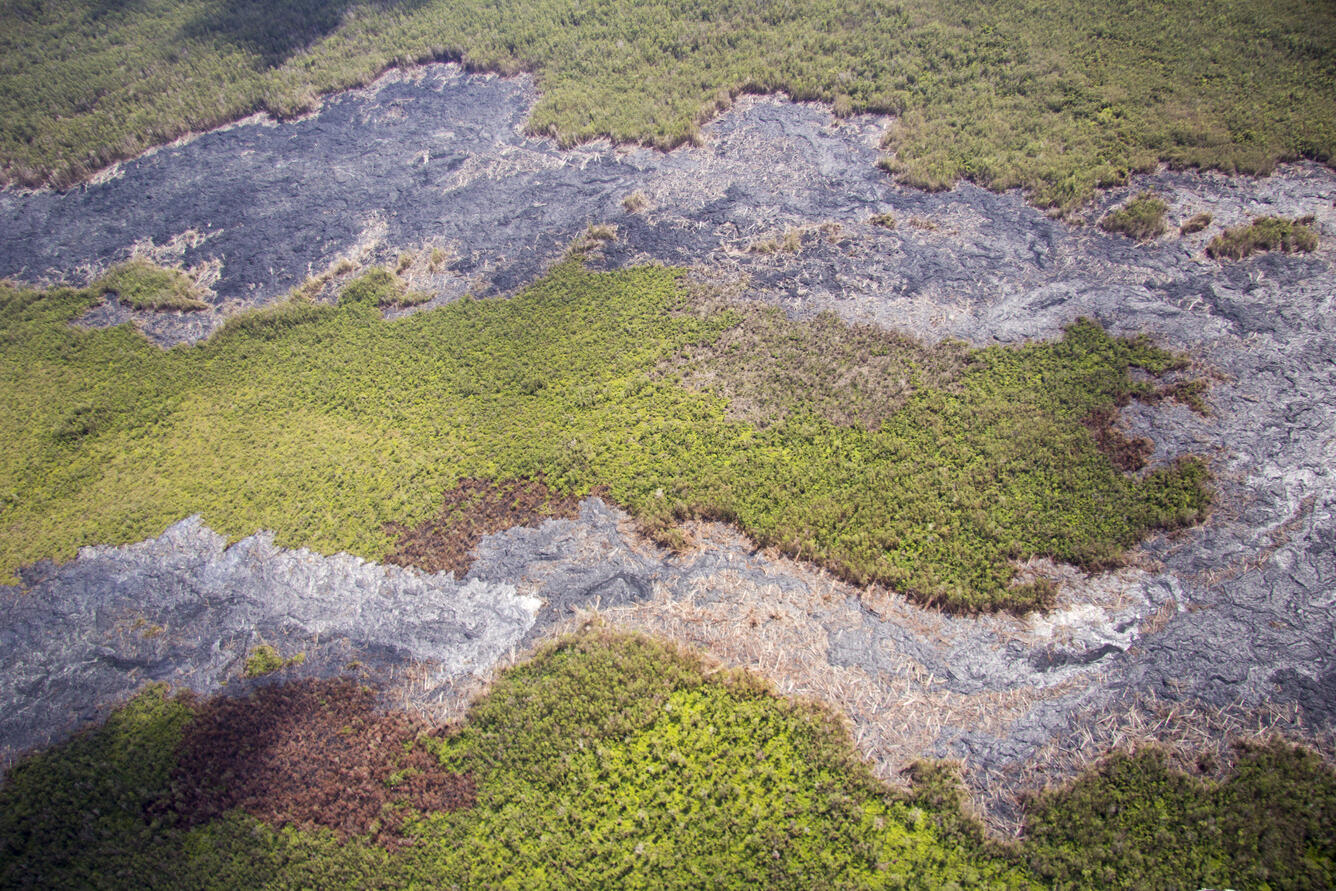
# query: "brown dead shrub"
[311,753]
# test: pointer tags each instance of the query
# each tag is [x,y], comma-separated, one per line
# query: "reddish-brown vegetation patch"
[1126,454]
[472,509]
[311,753]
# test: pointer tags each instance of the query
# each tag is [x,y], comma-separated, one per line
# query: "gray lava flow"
[1239,613]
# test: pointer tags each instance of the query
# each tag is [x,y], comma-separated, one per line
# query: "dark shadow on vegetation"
[276,30]
[310,753]
[104,8]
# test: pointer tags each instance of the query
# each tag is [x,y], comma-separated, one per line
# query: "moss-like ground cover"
[327,423]
[1057,97]
[616,762]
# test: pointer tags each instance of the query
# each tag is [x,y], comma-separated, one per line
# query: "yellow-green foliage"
[1264,234]
[145,285]
[604,762]
[1141,218]
[380,287]
[1056,97]
[265,659]
[1138,823]
[658,776]
[611,761]
[325,423]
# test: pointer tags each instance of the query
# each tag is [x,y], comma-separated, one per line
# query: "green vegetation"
[265,659]
[884,220]
[1056,97]
[1138,823]
[661,775]
[1264,234]
[382,288]
[69,816]
[604,762]
[143,285]
[328,423]
[1195,223]
[611,761]
[1141,218]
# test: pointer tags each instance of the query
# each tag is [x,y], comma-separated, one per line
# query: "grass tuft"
[142,284]
[1142,218]
[635,202]
[1264,234]
[1195,223]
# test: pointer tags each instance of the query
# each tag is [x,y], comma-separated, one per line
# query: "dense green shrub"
[70,816]
[1139,823]
[328,423]
[614,761]
[1264,234]
[604,761]
[1141,218]
[1057,98]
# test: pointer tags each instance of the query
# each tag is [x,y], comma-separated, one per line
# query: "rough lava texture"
[1239,613]
[186,609]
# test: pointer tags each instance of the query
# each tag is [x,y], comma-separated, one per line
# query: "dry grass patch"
[1195,223]
[635,202]
[1142,218]
[769,367]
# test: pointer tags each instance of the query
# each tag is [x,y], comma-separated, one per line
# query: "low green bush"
[1264,234]
[1141,218]
[143,285]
